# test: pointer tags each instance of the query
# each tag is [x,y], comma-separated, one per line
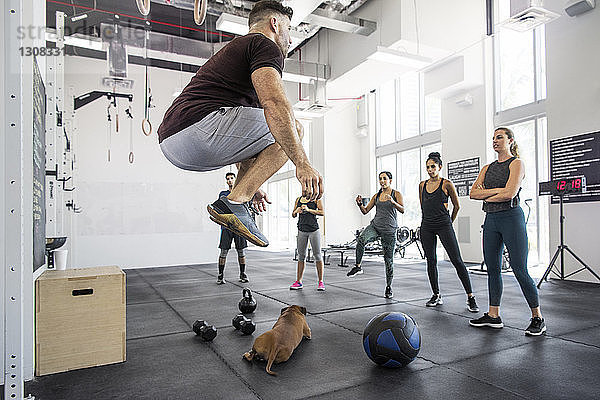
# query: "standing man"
[227,237]
[234,110]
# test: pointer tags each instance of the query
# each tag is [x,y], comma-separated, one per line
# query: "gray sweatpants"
[224,137]
[315,244]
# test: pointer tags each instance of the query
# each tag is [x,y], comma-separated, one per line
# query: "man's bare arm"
[278,112]
[281,122]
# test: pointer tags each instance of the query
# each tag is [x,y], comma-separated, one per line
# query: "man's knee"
[299,129]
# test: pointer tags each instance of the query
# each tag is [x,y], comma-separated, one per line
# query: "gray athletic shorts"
[224,137]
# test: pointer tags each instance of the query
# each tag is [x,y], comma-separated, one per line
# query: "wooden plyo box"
[79,319]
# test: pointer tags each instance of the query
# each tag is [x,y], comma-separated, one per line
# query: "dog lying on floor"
[278,344]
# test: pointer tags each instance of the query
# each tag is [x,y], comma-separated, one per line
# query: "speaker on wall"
[576,7]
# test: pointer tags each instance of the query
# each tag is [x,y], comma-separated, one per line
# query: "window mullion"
[398,109]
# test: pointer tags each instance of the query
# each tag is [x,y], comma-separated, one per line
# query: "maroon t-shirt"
[224,81]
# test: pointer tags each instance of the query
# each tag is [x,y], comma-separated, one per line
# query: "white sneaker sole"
[437,303]
[295,288]
[528,333]
[358,273]
[495,326]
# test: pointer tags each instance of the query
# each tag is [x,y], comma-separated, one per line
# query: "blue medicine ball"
[392,339]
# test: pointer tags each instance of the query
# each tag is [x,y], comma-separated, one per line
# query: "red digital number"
[560,185]
[576,183]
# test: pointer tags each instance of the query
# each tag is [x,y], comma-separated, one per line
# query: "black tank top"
[432,206]
[496,176]
[307,222]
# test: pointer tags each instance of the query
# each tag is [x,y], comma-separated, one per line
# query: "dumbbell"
[243,324]
[202,329]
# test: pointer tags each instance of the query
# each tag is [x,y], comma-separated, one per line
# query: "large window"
[520,65]
[531,138]
[404,112]
[386,132]
[520,92]
[283,189]
[408,169]
[280,224]
[408,128]
[409,106]
[289,165]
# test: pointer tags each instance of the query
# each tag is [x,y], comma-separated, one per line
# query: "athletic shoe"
[220,279]
[486,320]
[472,304]
[536,327]
[388,292]
[321,286]
[297,285]
[435,300]
[238,219]
[356,270]
[243,277]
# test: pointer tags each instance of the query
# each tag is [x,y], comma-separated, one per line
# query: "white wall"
[573,62]
[342,173]
[464,136]
[145,213]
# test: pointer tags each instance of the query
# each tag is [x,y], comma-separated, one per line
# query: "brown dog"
[278,344]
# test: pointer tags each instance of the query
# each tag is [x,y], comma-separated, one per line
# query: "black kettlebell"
[247,304]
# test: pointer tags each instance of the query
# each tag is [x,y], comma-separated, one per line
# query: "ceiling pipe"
[354,6]
[341,22]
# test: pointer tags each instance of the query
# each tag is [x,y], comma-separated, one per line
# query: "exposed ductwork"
[341,22]
[309,15]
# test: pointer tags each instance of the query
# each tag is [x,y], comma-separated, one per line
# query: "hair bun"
[434,154]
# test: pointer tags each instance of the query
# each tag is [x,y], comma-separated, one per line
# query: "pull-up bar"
[87,98]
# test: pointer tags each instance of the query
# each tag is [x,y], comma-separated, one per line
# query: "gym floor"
[166,360]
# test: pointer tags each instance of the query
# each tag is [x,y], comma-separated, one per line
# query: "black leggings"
[448,239]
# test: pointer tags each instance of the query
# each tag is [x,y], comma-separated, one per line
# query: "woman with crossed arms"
[499,185]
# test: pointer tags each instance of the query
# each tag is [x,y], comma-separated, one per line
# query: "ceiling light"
[233,24]
[389,56]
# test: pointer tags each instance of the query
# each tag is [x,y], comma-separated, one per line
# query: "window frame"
[539,75]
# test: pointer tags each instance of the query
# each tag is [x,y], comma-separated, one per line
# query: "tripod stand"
[560,251]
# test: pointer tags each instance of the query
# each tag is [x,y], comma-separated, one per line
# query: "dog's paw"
[247,356]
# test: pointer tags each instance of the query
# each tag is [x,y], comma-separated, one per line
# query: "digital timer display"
[563,186]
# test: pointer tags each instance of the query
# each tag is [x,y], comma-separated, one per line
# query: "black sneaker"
[435,300]
[220,279]
[388,292]
[472,304]
[238,219]
[356,270]
[243,277]
[486,320]
[536,327]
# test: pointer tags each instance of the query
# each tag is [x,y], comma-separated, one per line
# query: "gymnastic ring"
[199,11]
[143,6]
[148,131]
[131,157]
